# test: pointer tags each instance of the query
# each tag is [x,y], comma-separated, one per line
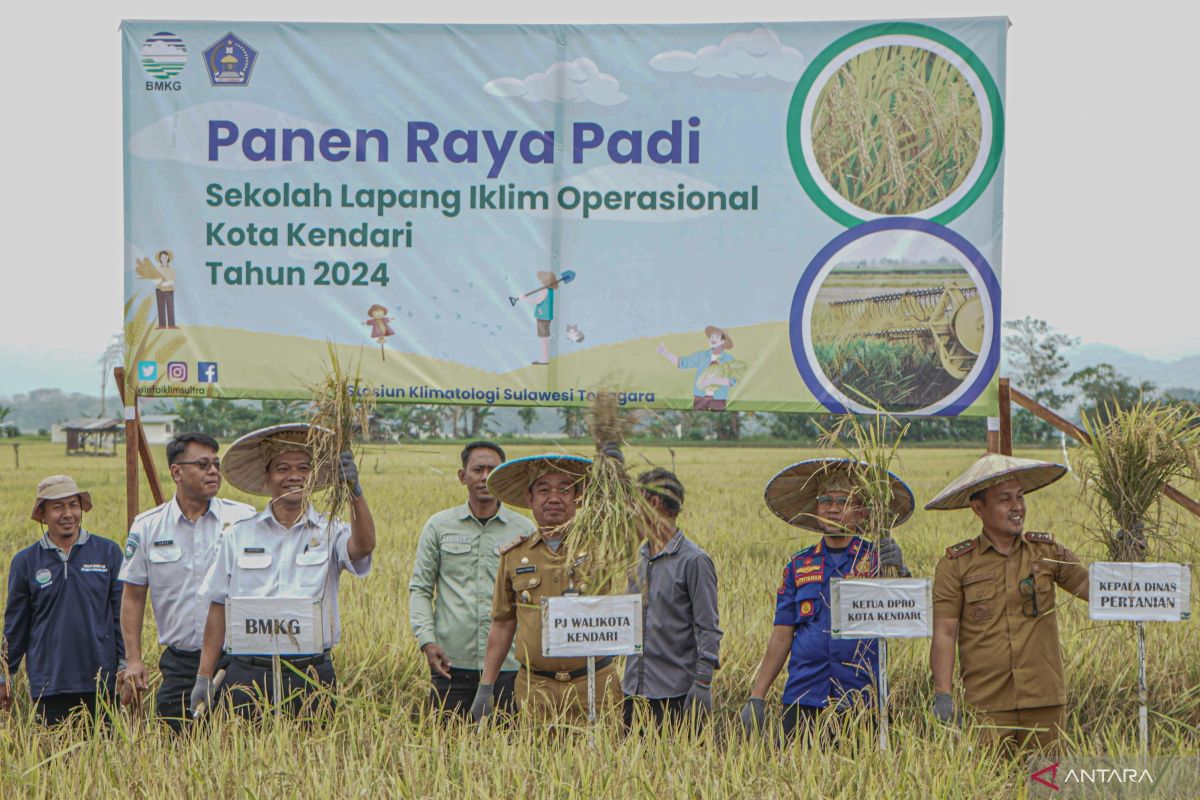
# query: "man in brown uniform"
[531,568]
[994,597]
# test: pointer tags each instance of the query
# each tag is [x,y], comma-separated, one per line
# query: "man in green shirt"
[454,574]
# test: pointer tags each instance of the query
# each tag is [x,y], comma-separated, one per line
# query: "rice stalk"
[603,538]
[871,446]
[339,414]
[896,129]
[1134,453]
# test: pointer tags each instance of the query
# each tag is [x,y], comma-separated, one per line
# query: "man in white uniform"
[287,550]
[169,551]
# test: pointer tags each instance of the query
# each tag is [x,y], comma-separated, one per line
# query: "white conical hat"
[792,493]
[991,469]
[509,483]
[245,462]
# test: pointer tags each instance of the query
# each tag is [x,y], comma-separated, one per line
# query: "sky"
[1100,176]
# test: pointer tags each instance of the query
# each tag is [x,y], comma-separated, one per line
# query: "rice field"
[900,375]
[896,130]
[381,743]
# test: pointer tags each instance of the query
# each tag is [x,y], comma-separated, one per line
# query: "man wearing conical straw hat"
[993,597]
[63,616]
[287,550]
[820,495]
[533,567]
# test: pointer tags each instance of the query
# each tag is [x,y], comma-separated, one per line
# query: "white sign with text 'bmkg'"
[605,625]
[874,608]
[1141,592]
[267,626]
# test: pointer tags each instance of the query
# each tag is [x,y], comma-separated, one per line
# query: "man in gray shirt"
[681,637]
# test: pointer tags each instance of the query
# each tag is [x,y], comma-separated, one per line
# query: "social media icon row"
[177,371]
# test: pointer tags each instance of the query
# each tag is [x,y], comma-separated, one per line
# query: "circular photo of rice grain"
[894,120]
[896,130]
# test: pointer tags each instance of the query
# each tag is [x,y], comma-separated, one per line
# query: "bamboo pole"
[129,402]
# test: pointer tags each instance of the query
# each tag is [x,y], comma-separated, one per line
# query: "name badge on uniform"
[265,626]
[164,543]
[525,570]
[254,558]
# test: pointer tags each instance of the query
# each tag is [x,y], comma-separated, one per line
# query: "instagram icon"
[177,371]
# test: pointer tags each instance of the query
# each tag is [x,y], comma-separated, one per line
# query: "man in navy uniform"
[820,495]
[64,608]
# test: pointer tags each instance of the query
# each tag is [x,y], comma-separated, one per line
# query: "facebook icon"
[207,371]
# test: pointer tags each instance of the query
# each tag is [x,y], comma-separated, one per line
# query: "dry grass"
[896,130]
[379,746]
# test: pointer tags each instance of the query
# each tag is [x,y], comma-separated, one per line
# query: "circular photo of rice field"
[897,119]
[897,316]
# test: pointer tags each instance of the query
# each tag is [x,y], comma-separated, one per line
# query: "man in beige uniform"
[532,567]
[994,597]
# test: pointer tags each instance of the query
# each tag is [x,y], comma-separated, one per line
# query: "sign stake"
[883,694]
[591,667]
[1143,712]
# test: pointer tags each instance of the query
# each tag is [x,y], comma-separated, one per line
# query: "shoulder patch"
[956,550]
[1038,538]
[504,548]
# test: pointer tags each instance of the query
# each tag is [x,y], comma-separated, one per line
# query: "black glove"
[890,555]
[484,704]
[943,707]
[613,450]
[754,715]
[699,699]
[348,472]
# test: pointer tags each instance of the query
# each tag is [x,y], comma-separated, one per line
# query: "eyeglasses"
[830,500]
[547,491]
[1029,592]
[205,464]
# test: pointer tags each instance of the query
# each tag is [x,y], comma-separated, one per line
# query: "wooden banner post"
[135,446]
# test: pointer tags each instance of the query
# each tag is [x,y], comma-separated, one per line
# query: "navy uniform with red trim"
[823,670]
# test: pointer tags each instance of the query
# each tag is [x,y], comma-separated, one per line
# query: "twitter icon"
[147,370]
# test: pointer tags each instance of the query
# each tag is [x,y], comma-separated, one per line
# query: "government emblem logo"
[164,55]
[42,576]
[229,61]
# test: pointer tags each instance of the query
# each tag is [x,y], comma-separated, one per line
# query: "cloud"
[754,54]
[578,81]
[183,136]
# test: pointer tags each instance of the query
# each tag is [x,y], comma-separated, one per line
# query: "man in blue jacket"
[64,608]
[821,495]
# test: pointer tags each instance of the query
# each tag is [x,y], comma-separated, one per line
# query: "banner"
[893,608]
[1141,592]
[781,217]
[602,625]
[265,626]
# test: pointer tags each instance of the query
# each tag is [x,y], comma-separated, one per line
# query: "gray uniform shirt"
[681,637]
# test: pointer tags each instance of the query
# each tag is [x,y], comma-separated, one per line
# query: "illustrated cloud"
[183,136]
[754,54]
[578,81]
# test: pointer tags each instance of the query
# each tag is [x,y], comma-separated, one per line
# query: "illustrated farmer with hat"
[63,615]
[993,597]
[710,389]
[543,306]
[820,495]
[533,567]
[286,551]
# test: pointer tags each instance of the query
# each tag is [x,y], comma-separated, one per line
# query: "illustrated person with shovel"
[542,299]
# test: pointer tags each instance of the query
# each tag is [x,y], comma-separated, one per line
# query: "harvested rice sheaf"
[340,408]
[896,130]
[603,539]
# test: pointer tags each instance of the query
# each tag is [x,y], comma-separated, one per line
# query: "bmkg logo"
[164,55]
[229,61]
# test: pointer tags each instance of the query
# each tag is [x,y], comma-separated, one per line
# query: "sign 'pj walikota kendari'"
[783,217]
